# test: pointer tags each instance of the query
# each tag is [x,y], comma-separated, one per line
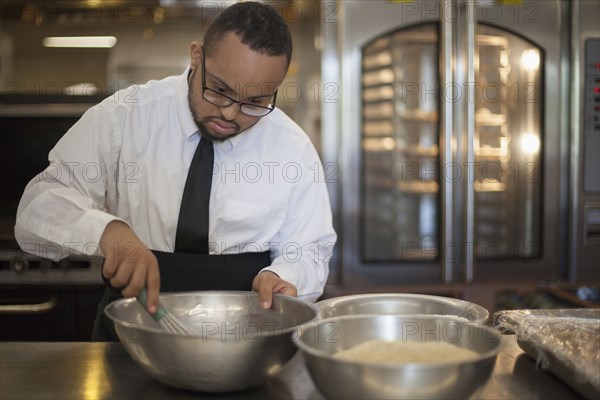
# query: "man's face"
[237,72]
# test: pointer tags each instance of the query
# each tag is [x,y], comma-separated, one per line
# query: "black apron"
[180,272]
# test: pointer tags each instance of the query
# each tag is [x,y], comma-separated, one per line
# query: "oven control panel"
[591,117]
[18,267]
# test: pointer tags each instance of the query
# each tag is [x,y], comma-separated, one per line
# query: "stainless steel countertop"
[84,371]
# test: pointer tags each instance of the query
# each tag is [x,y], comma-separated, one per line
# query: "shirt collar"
[238,140]
[186,120]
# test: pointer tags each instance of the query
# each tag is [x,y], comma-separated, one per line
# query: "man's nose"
[230,112]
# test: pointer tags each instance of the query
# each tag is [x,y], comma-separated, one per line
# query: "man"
[268,224]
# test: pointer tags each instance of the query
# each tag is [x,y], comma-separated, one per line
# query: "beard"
[201,122]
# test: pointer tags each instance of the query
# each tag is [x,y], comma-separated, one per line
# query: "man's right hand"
[129,264]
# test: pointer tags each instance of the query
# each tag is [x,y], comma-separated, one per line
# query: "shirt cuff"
[287,273]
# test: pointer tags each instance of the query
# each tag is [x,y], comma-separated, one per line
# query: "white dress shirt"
[127,159]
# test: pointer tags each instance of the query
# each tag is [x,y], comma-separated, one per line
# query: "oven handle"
[36,308]
[470,118]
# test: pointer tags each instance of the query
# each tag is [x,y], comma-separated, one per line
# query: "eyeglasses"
[220,100]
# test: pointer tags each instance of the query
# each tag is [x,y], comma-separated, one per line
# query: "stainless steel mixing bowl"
[341,379]
[239,344]
[401,304]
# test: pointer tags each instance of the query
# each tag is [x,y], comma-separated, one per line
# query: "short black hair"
[259,26]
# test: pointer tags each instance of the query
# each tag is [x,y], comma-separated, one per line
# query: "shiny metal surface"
[401,303]
[342,379]
[37,308]
[95,371]
[539,22]
[581,265]
[167,321]
[469,228]
[446,152]
[239,345]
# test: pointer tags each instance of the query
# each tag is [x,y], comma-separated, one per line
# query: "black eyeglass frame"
[229,101]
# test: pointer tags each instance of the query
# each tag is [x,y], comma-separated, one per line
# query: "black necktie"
[192,227]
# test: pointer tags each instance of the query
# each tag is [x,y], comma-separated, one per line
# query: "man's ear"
[195,55]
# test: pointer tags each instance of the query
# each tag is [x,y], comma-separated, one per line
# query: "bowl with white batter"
[398,356]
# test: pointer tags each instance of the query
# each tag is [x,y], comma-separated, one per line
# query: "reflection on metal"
[530,59]
[469,229]
[530,143]
[447,151]
[93,385]
[36,308]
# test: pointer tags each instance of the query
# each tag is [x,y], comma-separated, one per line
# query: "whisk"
[168,322]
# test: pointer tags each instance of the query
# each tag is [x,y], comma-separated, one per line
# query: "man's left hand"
[266,283]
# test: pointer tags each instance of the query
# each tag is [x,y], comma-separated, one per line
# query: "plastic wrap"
[565,342]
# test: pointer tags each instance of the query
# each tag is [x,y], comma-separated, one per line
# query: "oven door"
[452,142]
[48,312]
[45,300]
[40,299]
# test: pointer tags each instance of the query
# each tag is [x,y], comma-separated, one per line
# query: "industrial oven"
[40,299]
[467,140]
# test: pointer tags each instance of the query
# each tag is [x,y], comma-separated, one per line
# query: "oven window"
[508,146]
[400,154]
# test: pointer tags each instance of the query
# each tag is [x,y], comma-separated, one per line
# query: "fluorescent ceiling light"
[80,41]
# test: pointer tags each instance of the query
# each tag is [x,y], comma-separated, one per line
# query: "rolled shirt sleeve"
[63,210]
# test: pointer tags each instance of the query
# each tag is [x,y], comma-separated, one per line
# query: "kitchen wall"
[153,39]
